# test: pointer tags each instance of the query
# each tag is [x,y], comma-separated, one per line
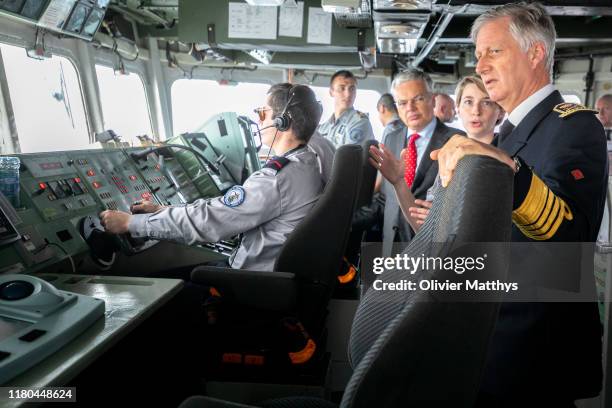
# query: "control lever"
[102,246]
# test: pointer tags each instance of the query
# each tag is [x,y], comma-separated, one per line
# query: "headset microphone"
[277,123]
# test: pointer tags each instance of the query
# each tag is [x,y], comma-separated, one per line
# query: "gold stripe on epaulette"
[567,109]
[541,213]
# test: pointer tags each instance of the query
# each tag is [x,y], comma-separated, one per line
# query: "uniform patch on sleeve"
[566,109]
[356,135]
[577,174]
[234,196]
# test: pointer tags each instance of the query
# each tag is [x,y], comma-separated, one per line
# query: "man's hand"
[457,147]
[383,159]
[115,222]
[420,213]
[144,207]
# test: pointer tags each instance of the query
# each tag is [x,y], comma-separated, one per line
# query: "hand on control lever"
[115,222]
[145,207]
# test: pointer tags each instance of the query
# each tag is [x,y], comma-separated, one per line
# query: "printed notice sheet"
[246,21]
[56,14]
[291,19]
[319,26]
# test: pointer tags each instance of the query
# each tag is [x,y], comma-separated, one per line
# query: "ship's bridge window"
[46,100]
[365,101]
[124,104]
[196,100]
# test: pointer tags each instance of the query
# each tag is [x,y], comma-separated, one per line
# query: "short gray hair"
[412,74]
[607,98]
[529,23]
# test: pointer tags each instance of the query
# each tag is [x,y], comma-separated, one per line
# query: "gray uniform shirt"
[351,127]
[265,210]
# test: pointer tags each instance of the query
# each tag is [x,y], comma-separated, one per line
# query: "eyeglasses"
[261,113]
[417,100]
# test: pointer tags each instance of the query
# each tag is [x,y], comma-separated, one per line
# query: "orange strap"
[350,274]
[305,354]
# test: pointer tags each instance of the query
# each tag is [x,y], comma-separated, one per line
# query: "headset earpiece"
[283,121]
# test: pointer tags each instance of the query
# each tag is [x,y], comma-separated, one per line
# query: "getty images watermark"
[481,272]
[459,265]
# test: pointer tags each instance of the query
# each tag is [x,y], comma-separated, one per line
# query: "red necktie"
[411,160]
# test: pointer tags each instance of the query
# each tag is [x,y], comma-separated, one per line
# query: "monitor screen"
[33,8]
[93,22]
[77,18]
[8,327]
[14,6]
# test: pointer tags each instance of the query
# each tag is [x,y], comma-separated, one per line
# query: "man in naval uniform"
[265,209]
[541,354]
[346,125]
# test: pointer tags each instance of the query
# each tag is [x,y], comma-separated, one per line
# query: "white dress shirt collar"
[518,114]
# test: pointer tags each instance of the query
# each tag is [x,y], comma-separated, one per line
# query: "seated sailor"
[265,209]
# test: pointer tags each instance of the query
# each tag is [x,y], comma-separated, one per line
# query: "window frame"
[70,55]
[132,67]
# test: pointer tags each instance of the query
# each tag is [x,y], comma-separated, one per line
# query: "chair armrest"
[276,291]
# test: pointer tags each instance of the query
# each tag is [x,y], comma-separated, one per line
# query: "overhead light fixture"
[399,30]
[267,3]
[398,33]
[341,6]
[402,5]
[396,45]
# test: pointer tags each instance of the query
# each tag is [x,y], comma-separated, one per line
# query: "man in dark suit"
[423,133]
[542,354]
[604,107]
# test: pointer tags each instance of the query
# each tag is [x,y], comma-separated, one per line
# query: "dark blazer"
[552,350]
[427,171]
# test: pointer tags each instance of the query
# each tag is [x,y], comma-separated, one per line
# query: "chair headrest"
[414,348]
[368,176]
[314,250]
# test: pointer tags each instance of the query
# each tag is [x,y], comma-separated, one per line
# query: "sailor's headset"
[37,319]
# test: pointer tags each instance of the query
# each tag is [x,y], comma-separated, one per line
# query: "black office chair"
[304,277]
[423,348]
[349,278]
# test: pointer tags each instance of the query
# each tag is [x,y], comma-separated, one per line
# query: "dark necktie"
[505,129]
[608,134]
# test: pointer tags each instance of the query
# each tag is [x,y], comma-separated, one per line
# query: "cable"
[48,244]
[270,149]
[115,49]
[211,166]
[67,254]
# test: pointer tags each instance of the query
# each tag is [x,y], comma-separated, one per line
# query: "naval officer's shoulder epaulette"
[567,109]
